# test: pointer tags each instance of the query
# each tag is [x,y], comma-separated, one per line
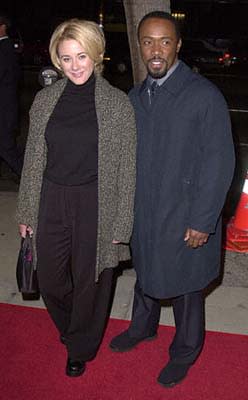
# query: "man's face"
[2,30]
[159,46]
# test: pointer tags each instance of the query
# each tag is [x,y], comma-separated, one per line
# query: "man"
[9,74]
[185,160]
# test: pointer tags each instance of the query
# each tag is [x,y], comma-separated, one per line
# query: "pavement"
[226,300]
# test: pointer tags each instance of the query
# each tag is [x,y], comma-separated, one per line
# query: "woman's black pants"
[66,251]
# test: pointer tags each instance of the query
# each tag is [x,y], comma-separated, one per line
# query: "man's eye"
[146,42]
[165,42]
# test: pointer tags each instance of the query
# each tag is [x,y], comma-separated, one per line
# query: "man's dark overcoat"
[185,162]
[9,75]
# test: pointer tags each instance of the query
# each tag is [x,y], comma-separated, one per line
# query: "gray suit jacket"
[116,167]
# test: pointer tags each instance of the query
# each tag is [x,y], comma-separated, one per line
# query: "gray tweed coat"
[116,168]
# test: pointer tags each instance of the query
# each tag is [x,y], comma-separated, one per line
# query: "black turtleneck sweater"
[72,136]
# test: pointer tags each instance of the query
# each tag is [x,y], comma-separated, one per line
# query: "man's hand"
[195,239]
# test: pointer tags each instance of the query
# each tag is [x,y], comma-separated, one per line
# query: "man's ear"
[179,44]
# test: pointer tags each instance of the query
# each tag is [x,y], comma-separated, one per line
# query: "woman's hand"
[23,229]
[115,242]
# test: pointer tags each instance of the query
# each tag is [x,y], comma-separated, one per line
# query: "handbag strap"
[27,244]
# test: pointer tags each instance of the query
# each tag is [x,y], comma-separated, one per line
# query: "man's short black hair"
[161,15]
[4,20]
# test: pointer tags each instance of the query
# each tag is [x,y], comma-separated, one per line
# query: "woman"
[77,188]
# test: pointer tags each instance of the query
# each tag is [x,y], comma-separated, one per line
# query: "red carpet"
[33,360]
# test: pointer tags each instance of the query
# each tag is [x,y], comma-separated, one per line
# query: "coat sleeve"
[216,165]
[126,175]
[28,196]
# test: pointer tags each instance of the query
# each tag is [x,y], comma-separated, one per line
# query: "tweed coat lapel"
[103,107]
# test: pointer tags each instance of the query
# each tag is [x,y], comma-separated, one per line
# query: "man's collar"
[180,76]
[3,37]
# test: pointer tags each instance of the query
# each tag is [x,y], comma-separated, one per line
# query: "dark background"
[36,19]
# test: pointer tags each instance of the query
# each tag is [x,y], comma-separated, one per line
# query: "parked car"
[239,51]
[203,56]
[36,53]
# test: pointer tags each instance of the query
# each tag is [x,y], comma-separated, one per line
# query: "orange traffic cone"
[237,229]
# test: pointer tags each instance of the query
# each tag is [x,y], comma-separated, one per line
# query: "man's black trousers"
[66,251]
[188,312]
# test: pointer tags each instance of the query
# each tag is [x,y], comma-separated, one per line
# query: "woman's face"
[74,61]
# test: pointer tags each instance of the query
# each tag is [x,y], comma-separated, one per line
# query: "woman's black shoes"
[75,368]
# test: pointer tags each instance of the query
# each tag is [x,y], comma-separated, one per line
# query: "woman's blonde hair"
[87,33]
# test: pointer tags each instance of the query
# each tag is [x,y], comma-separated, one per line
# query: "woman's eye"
[82,56]
[65,59]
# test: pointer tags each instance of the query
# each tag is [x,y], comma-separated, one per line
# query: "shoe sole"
[74,374]
[170,385]
[147,339]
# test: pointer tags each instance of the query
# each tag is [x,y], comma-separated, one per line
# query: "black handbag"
[26,275]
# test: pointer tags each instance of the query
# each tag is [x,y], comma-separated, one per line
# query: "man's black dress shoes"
[75,368]
[172,374]
[124,342]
